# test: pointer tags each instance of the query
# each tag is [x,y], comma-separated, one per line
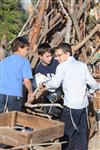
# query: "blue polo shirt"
[13,70]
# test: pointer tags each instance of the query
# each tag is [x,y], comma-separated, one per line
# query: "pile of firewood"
[70,21]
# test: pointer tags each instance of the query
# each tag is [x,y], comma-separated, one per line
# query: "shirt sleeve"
[57,79]
[90,80]
[27,71]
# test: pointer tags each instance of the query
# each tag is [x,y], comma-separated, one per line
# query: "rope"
[75,126]
[87,117]
[5,107]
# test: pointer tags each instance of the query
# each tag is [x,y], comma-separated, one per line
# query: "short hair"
[66,47]
[43,48]
[19,42]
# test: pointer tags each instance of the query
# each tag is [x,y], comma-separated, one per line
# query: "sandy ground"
[94,143]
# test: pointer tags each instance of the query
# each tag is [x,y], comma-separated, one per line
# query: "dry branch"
[37,25]
[79,45]
[63,21]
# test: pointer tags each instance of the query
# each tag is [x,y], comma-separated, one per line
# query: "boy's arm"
[28,85]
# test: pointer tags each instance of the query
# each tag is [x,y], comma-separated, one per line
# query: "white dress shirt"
[74,77]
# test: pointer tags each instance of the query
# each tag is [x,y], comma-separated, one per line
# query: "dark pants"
[11,103]
[77,138]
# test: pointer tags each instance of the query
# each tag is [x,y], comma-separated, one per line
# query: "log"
[79,45]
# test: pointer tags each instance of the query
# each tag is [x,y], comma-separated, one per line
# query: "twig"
[43,105]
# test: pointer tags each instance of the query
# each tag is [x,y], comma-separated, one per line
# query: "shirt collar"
[70,58]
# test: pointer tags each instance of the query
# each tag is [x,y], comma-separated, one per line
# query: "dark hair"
[43,48]
[19,42]
[65,47]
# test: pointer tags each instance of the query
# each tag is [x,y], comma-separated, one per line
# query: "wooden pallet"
[42,129]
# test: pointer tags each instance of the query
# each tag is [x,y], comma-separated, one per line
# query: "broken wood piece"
[43,105]
[42,129]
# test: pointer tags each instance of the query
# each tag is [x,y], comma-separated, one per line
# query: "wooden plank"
[43,129]
[13,119]
[36,122]
[47,134]
[12,137]
[5,119]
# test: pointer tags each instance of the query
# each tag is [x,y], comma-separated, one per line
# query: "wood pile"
[22,131]
[70,21]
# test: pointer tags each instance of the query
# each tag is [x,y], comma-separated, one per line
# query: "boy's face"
[46,58]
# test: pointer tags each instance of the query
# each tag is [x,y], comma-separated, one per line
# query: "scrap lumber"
[41,129]
[75,22]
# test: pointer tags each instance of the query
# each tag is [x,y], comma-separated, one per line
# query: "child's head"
[20,45]
[19,42]
[45,53]
[63,51]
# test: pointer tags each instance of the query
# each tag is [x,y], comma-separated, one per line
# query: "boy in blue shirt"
[15,70]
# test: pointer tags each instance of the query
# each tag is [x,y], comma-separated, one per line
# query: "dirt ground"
[94,142]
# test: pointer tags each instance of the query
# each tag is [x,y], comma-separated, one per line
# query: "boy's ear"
[68,53]
[19,48]
[40,56]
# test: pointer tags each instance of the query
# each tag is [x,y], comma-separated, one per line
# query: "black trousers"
[76,129]
[12,103]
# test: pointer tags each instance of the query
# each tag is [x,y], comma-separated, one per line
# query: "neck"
[18,53]
[44,64]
